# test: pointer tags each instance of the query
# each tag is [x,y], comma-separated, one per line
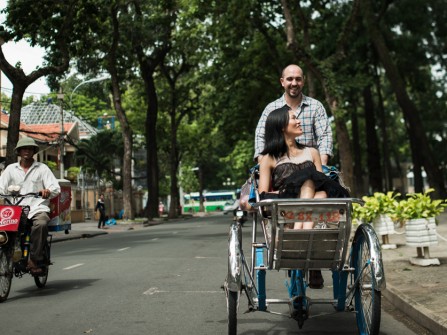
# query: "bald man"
[317,131]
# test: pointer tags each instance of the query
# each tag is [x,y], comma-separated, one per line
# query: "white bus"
[213,201]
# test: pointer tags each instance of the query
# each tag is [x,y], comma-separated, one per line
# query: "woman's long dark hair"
[275,144]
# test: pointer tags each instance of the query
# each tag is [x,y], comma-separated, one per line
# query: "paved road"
[163,279]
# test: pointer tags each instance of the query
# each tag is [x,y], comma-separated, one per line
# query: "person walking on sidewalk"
[101,207]
[32,177]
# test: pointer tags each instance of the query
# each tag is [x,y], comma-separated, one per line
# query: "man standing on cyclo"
[32,177]
[316,129]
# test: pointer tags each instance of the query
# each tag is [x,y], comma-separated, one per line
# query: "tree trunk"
[386,159]
[410,111]
[174,164]
[418,181]
[151,145]
[357,189]
[344,147]
[20,82]
[323,74]
[372,143]
[129,211]
[14,122]
[202,207]
[121,115]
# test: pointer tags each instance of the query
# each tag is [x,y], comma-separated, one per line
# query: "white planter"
[383,225]
[421,232]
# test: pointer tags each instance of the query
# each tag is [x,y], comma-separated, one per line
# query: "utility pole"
[60,97]
[2,41]
[1,100]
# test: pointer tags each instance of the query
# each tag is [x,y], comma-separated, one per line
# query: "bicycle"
[357,268]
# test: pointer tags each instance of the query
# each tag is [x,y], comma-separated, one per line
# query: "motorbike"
[15,231]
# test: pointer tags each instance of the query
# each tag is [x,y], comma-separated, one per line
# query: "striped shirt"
[317,130]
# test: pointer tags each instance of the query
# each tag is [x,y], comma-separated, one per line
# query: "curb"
[420,314]
[76,236]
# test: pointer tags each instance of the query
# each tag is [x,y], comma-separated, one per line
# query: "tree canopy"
[192,78]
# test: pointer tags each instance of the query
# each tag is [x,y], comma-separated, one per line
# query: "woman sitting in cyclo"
[294,170]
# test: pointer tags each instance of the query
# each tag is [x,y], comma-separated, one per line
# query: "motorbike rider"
[32,177]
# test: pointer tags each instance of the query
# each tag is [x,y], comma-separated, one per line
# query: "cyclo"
[357,269]
[15,230]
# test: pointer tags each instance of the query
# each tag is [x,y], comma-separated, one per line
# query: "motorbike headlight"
[3,237]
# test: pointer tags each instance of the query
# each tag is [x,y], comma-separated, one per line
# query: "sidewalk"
[419,292]
[90,229]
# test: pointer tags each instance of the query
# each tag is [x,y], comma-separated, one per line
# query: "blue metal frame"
[297,289]
[340,282]
[260,276]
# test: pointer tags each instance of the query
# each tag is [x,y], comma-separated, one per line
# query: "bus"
[213,201]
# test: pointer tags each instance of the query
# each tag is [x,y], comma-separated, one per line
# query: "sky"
[30,59]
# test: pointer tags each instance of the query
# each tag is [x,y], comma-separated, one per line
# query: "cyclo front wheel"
[367,297]
[5,273]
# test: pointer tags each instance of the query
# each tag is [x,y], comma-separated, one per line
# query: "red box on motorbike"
[10,218]
[60,215]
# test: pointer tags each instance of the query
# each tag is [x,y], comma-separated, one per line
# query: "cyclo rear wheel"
[233,281]
[232,301]
[367,297]
[5,273]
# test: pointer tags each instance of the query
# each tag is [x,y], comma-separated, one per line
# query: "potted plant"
[418,211]
[379,211]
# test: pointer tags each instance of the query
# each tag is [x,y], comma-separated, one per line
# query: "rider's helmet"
[26,142]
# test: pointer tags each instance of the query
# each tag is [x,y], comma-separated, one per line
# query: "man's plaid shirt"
[317,131]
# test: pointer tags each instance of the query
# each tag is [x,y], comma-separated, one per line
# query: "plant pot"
[421,232]
[383,225]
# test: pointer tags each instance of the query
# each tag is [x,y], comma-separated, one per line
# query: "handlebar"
[17,198]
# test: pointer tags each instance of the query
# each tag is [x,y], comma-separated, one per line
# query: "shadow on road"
[52,288]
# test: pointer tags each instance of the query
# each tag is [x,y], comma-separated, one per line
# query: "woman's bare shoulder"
[268,160]
[314,152]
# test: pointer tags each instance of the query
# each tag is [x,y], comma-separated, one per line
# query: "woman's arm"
[317,159]
[265,172]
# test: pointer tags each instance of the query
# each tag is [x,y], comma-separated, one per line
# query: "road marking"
[151,291]
[122,249]
[154,290]
[204,257]
[73,266]
[154,239]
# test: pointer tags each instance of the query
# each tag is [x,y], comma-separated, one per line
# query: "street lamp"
[86,82]
[228,182]
[60,96]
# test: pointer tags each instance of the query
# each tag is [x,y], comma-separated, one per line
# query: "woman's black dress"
[290,174]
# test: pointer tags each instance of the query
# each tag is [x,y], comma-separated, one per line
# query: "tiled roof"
[39,113]
[51,132]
